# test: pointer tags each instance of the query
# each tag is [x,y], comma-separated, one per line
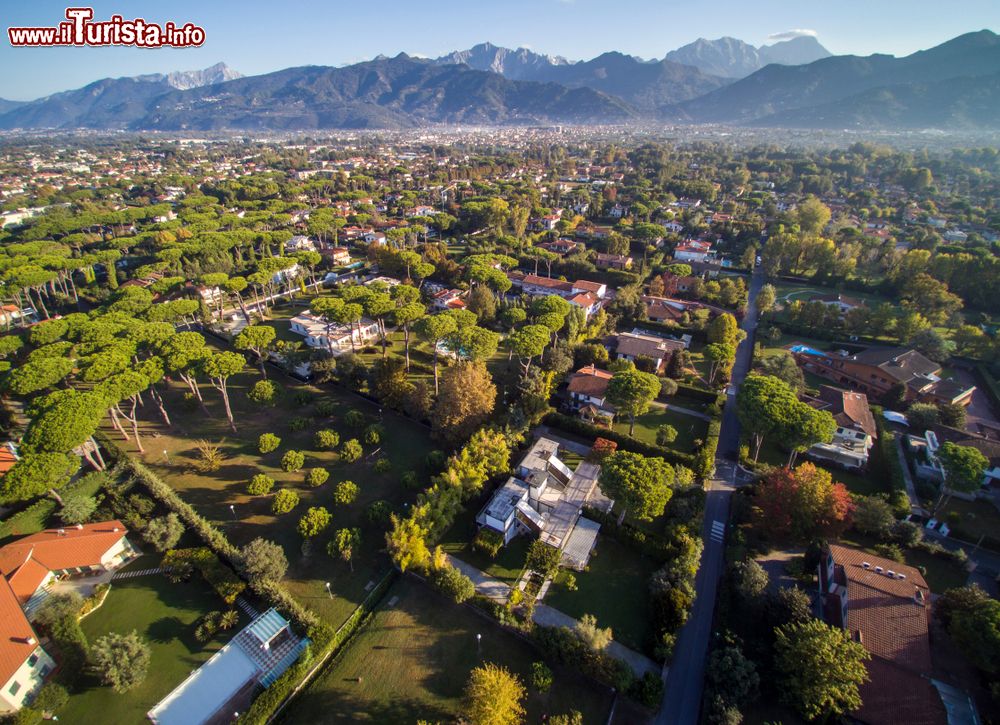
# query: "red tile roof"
[590,381]
[26,562]
[17,638]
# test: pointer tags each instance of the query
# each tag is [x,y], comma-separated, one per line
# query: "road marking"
[718,531]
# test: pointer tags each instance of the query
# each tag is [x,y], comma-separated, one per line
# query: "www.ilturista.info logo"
[81,30]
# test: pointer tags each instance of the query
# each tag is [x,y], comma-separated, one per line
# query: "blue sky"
[257,37]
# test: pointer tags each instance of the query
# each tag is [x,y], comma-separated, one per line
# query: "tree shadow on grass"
[165,629]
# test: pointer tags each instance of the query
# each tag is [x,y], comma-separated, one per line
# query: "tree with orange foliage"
[802,503]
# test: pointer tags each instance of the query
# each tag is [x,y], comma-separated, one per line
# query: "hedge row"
[325,643]
[989,384]
[887,447]
[708,396]
[582,428]
[163,493]
[704,458]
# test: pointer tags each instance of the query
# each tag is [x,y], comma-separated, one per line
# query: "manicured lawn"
[164,615]
[404,443]
[941,573]
[614,588]
[975,518]
[412,663]
[458,542]
[688,427]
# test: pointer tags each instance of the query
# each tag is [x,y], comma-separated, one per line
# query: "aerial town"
[516,423]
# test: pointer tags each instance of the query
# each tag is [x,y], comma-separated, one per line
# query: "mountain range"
[734,58]
[794,83]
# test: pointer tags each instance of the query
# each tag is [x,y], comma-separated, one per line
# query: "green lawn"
[164,615]
[972,518]
[688,427]
[413,661]
[614,588]
[942,573]
[457,541]
[405,444]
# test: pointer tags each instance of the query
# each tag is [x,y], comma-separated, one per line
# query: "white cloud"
[789,34]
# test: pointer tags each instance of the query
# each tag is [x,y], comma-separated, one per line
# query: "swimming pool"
[807,350]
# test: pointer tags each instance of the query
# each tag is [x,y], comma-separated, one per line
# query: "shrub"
[378,512]
[647,691]
[665,435]
[890,551]
[268,442]
[383,465]
[543,558]
[373,434]
[351,451]
[326,408]
[452,583]
[121,660]
[298,423]
[354,419]
[260,485]
[488,541]
[326,439]
[410,480]
[219,576]
[541,677]
[164,532]
[284,501]
[303,397]
[77,509]
[570,582]
[292,461]
[263,560]
[210,456]
[601,449]
[264,392]
[345,493]
[317,476]
[436,460]
[51,697]
[313,522]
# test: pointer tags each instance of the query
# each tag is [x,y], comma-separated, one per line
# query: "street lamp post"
[232,510]
[479,643]
[328,590]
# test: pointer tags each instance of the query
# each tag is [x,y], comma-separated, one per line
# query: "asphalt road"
[685,680]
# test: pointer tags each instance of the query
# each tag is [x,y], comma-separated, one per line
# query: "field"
[171,452]
[689,428]
[613,588]
[413,660]
[164,615]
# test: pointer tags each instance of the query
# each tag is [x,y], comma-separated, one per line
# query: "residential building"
[693,250]
[8,457]
[335,338]
[613,261]
[30,566]
[300,243]
[448,299]
[561,246]
[631,345]
[927,465]
[588,389]
[535,286]
[841,302]
[674,284]
[545,498]
[876,370]
[338,255]
[250,662]
[886,607]
[856,431]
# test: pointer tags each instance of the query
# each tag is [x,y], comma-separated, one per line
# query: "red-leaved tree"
[802,503]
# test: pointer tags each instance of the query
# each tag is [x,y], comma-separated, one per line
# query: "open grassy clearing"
[613,588]
[413,661]
[689,428]
[164,615]
[170,452]
[941,573]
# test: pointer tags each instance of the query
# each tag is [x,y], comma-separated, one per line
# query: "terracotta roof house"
[8,457]
[613,261]
[877,369]
[589,386]
[28,566]
[632,345]
[886,607]
[33,561]
[856,431]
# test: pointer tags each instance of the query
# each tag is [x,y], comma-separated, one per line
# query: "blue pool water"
[807,350]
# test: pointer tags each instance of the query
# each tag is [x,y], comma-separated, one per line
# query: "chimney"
[918,596]
[29,640]
[61,532]
[79,527]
